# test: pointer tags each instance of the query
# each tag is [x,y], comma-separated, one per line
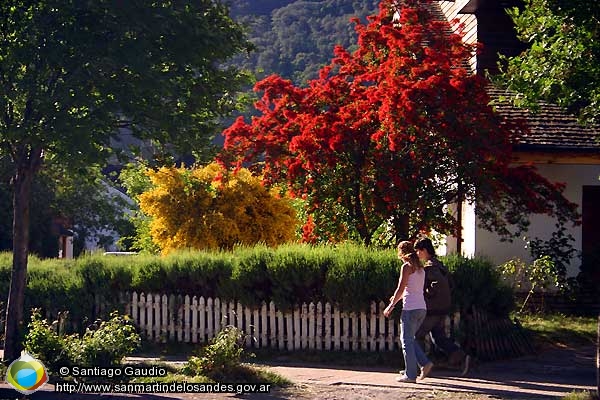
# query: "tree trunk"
[18,279]
[401,227]
[361,220]
[459,218]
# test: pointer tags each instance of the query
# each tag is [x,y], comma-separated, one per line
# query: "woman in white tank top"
[410,290]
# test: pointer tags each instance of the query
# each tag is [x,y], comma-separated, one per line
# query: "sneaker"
[466,365]
[426,370]
[405,379]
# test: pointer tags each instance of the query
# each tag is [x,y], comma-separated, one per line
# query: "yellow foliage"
[212,208]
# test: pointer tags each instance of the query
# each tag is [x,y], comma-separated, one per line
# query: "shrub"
[541,274]
[477,282]
[151,277]
[103,345]
[297,275]
[213,208]
[104,275]
[206,273]
[558,249]
[106,343]
[350,276]
[101,279]
[5,269]
[53,287]
[359,276]
[251,283]
[44,343]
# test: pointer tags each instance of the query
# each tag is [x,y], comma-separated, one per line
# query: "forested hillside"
[295,38]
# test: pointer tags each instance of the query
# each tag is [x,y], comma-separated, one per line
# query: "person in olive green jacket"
[438,298]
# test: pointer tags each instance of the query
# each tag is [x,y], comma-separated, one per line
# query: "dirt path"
[298,392]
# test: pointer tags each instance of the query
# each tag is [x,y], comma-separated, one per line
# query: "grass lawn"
[242,373]
[558,330]
[561,330]
[580,396]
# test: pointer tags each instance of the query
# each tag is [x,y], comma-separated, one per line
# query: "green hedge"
[350,276]
[475,281]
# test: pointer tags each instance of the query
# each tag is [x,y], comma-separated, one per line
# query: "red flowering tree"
[393,133]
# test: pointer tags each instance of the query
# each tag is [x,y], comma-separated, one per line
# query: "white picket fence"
[311,326]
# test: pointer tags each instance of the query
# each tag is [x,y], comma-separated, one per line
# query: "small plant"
[541,274]
[559,248]
[219,359]
[104,345]
[44,342]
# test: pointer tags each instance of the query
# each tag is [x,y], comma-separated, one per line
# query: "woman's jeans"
[410,321]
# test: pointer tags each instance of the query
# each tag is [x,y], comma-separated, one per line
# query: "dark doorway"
[590,246]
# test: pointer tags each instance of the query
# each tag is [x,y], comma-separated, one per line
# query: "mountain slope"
[296,38]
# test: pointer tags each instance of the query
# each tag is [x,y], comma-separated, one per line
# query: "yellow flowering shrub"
[212,208]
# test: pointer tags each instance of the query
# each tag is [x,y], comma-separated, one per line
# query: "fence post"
[321,326]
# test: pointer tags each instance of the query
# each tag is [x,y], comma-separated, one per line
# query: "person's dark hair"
[425,244]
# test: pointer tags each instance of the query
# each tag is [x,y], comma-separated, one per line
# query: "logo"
[26,374]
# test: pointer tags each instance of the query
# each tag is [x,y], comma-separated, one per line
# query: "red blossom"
[308,235]
[401,110]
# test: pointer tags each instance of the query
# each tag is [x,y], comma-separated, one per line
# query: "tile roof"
[551,128]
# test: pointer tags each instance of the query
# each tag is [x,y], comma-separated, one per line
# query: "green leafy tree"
[82,200]
[134,179]
[72,72]
[562,63]
[88,204]
[41,240]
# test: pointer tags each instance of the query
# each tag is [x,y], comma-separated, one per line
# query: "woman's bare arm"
[402,282]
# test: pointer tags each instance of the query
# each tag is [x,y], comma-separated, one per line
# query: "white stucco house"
[561,149]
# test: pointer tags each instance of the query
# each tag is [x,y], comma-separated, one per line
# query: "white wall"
[69,252]
[468,22]
[468,234]
[489,244]
[477,241]
[91,242]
